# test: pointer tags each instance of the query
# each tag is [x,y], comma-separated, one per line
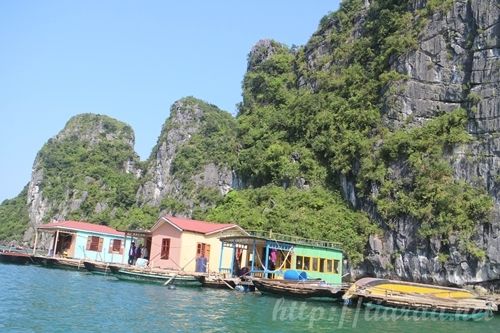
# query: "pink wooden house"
[183,244]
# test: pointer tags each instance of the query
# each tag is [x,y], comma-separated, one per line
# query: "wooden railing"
[270,235]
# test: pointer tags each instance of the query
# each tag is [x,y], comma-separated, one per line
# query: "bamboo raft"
[419,297]
[299,289]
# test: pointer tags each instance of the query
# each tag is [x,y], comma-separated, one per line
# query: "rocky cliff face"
[454,64]
[189,167]
[72,172]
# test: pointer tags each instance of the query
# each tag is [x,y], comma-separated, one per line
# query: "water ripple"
[35,299]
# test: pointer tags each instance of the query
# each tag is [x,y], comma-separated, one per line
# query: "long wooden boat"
[298,289]
[155,276]
[420,297]
[382,287]
[101,268]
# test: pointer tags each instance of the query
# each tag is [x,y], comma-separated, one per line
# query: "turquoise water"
[36,299]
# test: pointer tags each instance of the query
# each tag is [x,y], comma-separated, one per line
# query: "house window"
[299,262]
[94,243]
[115,246]
[203,250]
[315,264]
[336,267]
[165,248]
[307,263]
[329,265]
[322,265]
[288,262]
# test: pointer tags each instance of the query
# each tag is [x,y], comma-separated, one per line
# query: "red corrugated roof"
[201,227]
[81,226]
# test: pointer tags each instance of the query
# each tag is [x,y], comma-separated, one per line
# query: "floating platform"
[16,257]
[61,263]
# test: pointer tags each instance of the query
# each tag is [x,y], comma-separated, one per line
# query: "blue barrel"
[295,275]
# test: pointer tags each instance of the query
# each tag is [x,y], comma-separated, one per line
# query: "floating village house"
[268,254]
[85,241]
[190,245]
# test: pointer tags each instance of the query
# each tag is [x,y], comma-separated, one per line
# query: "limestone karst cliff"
[397,102]
[190,168]
[87,172]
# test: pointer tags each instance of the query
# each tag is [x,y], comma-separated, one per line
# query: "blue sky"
[127,59]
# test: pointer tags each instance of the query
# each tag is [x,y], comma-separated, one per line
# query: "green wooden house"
[271,255]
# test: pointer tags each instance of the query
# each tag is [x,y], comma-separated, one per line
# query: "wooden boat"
[299,289]
[101,268]
[218,282]
[158,276]
[221,282]
[381,287]
[444,301]
[16,257]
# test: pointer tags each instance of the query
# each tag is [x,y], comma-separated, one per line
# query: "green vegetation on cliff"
[316,213]
[309,116]
[214,142]
[85,165]
[14,217]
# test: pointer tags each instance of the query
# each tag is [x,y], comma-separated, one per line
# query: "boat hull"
[407,312]
[154,277]
[99,268]
[298,289]
[417,296]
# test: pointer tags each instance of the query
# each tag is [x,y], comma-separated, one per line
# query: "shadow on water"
[36,299]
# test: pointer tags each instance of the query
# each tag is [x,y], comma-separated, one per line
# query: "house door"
[202,257]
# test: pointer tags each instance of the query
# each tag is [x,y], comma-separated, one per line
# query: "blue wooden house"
[85,241]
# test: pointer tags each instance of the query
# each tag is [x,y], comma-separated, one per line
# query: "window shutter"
[110,249]
[121,249]
[89,241]
[207,252]
[99,249]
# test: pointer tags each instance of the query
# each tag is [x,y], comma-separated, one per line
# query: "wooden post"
[220,258]
[55,244]
[231,269]
[253,256]
[125,252]
[227,284]
[267,258]
[36,240]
